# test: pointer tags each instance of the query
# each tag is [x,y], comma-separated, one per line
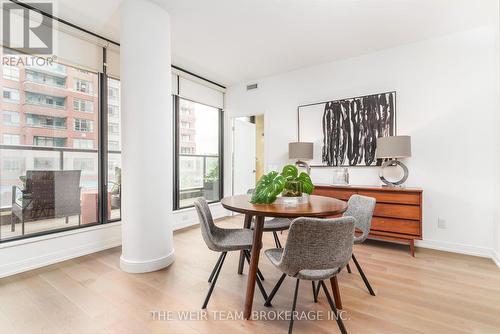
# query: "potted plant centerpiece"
[288,187]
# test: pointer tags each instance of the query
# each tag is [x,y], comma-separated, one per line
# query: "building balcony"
[45,89]
[54,69]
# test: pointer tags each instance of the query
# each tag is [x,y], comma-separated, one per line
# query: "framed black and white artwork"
[345,132]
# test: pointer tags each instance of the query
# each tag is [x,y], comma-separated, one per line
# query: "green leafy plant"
[290,182]
[268,188]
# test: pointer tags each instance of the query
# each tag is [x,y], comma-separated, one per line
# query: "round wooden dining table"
[318,206]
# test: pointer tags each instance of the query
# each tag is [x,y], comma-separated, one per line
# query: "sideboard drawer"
[397,211]
[403,226]
[392,197]
[335,193]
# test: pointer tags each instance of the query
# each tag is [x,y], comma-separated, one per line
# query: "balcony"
[54,69]
[16,160]
[198,177]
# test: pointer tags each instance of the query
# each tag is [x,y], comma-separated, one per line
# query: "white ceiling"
[231,41]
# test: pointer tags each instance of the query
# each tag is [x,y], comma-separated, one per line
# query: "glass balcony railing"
[19,163]
[198,177]
[54,68]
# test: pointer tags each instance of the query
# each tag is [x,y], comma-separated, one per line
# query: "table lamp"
[393,148]
[303,152]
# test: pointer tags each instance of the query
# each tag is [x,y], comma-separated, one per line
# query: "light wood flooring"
[435,292]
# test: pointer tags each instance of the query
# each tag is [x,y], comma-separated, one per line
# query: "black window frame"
[177,153]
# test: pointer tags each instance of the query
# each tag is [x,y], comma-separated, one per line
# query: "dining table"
[316,206]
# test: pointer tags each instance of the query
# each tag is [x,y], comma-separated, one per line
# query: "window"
[114,146]
[45,121]
[45,79]
[84,164]
[11,139]
[45,100]
[10,95]
[83,105]
[199,145]
[113,111]
[83,125]
[83,86]
[11,72]
[113,93]
[86,144]
[10,118]
[45,163]
[12,164]
[113,128]
[49,141]
[38,131]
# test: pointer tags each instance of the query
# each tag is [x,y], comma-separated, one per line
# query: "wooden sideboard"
[398,212]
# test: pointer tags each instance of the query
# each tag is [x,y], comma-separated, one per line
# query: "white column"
[147,243]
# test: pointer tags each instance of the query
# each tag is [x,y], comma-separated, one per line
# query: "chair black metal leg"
[290,326]
[247,257]
[348,268]
[334,309]
[315,296]
[12,223]
[368,286]
[277,240]
[258,280]
[212,286]
[67,219]
[215,268]
[273,292]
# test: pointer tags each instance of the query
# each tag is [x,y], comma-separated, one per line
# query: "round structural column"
[145,69]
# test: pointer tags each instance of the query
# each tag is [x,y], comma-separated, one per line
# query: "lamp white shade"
[300,150]
[393,147]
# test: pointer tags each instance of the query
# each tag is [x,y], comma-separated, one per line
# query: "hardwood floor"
[435,292]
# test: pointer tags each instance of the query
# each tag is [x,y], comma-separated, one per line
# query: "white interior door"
[243,156]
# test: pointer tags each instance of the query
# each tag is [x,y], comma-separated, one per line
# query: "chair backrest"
[208,229]
[317,244]
[54,193]
[361,208]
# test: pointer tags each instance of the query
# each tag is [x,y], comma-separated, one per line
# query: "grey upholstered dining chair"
[274,225]
[361,209]
[315,250]
[223,240]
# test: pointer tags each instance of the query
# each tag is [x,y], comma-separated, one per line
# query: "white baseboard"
[454,247]
[136,267]
[188,217]
[38,253]
[496,258]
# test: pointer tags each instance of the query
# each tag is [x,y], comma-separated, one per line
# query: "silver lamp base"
[392,163]
[305,165]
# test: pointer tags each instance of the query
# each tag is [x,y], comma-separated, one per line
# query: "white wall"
[447,100]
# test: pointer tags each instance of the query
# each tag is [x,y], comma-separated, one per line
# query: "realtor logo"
[26,30]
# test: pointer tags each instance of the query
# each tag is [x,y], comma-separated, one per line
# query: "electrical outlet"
[441,223]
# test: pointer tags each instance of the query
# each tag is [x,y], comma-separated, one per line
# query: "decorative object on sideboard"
[392,149]
[340,176]
[293,187]
[303,152]
[345,132]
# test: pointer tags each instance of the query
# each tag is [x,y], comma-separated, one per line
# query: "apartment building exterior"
[49,121]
